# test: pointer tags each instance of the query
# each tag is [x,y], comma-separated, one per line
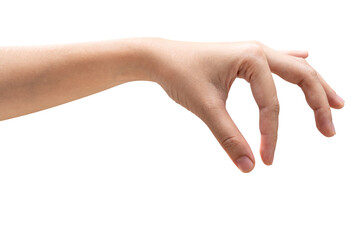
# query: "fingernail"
[244,164]
[271,160]
[333,129]
[340,100]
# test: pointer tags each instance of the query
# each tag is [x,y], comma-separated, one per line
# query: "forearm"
[36,78]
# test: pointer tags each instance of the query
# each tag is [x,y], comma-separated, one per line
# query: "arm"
[196,75]
[36,78]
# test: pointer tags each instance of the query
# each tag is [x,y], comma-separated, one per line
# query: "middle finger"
[300,73]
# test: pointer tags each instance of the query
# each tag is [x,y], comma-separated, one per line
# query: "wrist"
[142,58]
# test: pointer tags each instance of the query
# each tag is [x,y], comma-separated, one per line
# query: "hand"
[199,76]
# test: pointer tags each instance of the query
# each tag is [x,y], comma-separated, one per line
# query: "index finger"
[256,71]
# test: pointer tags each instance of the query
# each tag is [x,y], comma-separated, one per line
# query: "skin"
[196,75]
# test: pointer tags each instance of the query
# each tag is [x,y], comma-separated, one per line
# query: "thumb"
[230,138]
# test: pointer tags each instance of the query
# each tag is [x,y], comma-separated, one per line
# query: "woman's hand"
[196,75]
[199,76]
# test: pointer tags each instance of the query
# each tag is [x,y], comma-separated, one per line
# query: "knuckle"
[322,109]
[276,105]
[308,77]
[252,58]
[208,107]
[230,143]
[255,42]
[310,72]
[274,137]
[254,50]
[275,108]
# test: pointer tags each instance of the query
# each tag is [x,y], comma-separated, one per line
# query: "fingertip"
[267,156]
[328,130]
[324,121]
[340,101]
[333,130]
[337,106]
[336,101]
[305,54]
[328,134]
[245,164]
[267,148]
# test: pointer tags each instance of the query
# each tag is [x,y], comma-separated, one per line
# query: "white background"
[129,163]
